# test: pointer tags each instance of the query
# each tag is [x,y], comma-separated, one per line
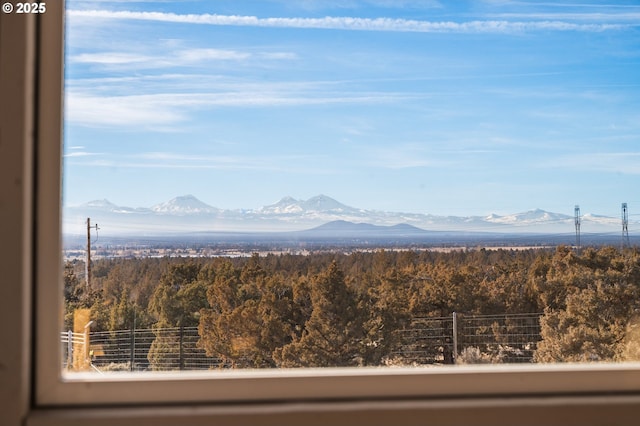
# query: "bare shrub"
[473,355]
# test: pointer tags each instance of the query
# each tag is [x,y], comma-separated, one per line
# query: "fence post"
[455,337]
[86,363]
[132,360]
[181,359]
[69,350]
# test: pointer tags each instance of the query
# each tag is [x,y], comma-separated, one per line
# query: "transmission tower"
[625,225]
[577,222]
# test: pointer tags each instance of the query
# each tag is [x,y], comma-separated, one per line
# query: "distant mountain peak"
[340,225]
[344,227]
[103,204]
[318,204]
[529,217]
[187,197]
[286,205]
[184,204]
[287,200]
[186,212]
[323,203]
[321,197]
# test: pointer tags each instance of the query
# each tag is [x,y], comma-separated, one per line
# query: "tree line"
[333,309]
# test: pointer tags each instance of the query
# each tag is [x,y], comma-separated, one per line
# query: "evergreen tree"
[250,315]
[383,307]
[176,302]
[333,335]
[600,292]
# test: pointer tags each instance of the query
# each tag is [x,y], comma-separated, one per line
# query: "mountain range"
[189,214]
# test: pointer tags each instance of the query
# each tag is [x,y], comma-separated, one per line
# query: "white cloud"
[299,164]
[199,55]
[349,23]
[110,58]
[164,109]
[175,58]
[194,161]
[119,110]
[279,55]
[80,154]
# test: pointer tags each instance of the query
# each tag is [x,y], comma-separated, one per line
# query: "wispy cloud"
[197,55]
[299,164]
[120,110]
[161,110]
[194,83]
[110,58]
[351,23]
[627,16]
[172,58]
[80,154]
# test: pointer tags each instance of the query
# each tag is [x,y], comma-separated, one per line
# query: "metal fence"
[498,338]
[427,340]
[71,340]
[457,338]
[509,338]
[150,349]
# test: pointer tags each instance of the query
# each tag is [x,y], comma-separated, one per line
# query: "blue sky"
[442,107]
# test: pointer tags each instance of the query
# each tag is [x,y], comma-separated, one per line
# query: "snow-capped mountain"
[184,205]
[530,217]
[189,214]
[317,204]
[101,204]
[107,206]
[287,205]
[322,203]
[104,205]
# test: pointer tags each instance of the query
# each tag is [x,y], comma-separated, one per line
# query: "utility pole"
[87,265]
[577,222]
[625,226]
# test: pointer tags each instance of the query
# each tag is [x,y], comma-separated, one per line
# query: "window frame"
[448,395]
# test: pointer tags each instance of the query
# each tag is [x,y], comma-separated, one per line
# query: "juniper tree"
[593,298]
[334,334]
